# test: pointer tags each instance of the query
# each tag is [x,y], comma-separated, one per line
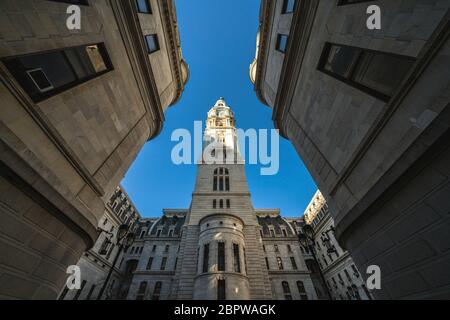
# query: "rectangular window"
[143,6]
[288,6]
[79,2]
[267,264]
[166,248]
[294,264]
[377,73]
[90,292]
[227,184]
[215,184]
[152,43]
[77,295]
[205,258]
[228,203]
[221,256]
[280,263]
[45,74]
[237,259]
[214,203]
[109,252]
[345,2]
[149,263]
[163,263]
[154,248]
[157,290]
[289,248]
[221,290]
[282,42]
[221,203]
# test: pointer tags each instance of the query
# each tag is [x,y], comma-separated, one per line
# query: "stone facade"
[95,263]
[218,248]
[373,132]
[342,277]
[77,106]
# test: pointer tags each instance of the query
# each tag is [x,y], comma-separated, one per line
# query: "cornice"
[132,36]
[265,27]
[170,26]
[301,27]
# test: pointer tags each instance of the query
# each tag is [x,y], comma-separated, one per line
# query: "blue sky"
[218,41]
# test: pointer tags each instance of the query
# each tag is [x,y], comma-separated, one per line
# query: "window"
[163,263]
[77,295]
[267,264]
[45,74]
[293,263]
[152,43]
[347,275]
[288,6]
[221,256]
[221,180]
[282,42]
[289,248]
[221,289]
[141,292]
[176,262]
[345,2]
[301,290]
[205,258]
[63,293]
[286,290]
[237,259]
[143,6]
[284,233]
[166,248]
[88,297]
[280,263]
[376,73]
[214,203]
[79,2]
[272,233]
[149,263]
[154,248]
[264,248]
[355,271]
[158,233]
[108,255]
[275,246]
[132,250]
[142,234]
[170,233]
[228,203]
[157,290]
[221,203]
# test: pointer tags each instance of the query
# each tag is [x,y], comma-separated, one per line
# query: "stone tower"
[221,253]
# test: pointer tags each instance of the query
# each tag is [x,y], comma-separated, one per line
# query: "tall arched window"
[157,290]
[301,290]
[286,290]
[142,288]
[221,180]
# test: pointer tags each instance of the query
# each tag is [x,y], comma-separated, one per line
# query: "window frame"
[41,96]
[284,8]
[155,37]
[148,5]
[348,80]
[277,44]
